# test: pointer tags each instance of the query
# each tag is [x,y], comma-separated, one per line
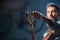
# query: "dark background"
[13,25]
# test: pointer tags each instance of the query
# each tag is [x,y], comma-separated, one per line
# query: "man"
[52,12]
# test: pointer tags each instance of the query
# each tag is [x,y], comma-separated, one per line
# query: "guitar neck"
[30,23]
[32,34]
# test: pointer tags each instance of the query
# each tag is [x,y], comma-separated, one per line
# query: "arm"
[52,24]
[38,15]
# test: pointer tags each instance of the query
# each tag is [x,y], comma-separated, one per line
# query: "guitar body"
[48,35]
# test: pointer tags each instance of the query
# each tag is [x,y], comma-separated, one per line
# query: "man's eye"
[54,11]
[48,12]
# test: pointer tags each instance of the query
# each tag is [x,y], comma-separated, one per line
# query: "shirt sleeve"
[55,26]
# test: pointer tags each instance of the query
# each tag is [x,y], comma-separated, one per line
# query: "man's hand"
[36,14]
[29,20]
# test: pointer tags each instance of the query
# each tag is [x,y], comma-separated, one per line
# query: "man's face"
[52,13]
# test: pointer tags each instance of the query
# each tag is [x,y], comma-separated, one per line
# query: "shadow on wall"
[12,11]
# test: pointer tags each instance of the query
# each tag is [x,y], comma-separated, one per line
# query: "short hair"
[54,5]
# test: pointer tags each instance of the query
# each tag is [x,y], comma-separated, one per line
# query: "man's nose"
[50,13]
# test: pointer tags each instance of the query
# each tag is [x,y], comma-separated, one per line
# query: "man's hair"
[54,5]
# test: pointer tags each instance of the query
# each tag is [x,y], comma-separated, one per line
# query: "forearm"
[46,20]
